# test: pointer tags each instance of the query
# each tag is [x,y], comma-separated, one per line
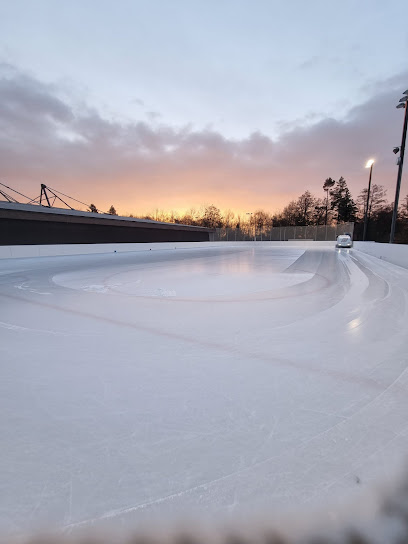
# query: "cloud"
[153,116]
[141,165]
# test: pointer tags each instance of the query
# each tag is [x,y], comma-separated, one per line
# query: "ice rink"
[213,380]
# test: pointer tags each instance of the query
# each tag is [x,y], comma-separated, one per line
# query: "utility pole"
[368,165]
[250,218]
[403,104]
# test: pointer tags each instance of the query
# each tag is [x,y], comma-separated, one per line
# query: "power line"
[38,199]
[76,200]
[21,194]
[70,197]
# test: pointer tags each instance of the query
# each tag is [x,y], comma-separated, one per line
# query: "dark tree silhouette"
[342,203]
[377,200]
[327,185]
[212,217]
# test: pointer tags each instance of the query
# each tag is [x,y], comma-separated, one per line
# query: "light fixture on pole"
[403,104]
[370,166]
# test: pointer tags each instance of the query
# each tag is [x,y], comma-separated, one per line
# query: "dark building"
[26,224]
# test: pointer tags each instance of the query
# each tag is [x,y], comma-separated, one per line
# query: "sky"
[176,104]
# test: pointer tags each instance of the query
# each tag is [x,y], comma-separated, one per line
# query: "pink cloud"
[139,167]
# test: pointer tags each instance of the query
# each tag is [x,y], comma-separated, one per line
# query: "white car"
[344,240]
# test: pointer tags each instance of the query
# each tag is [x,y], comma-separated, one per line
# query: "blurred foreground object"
[383,523]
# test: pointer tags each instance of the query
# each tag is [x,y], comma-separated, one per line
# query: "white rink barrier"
[16,252]
[392,253]
[21,252]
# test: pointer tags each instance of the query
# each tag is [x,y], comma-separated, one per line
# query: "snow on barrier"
[392,253]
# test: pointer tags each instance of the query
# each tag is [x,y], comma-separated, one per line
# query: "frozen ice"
[211,380]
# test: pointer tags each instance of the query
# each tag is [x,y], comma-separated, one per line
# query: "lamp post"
[403,104]
[250,217]
[370,166]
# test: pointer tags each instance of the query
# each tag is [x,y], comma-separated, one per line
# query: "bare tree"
[404,208]
[212,217]
[187,219]
[377,201]
[289,214]
[228,219]
[172,217]
[300,211]
[305,208]
[261,220]
[320,212]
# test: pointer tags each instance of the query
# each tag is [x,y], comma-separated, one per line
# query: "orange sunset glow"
[139,168]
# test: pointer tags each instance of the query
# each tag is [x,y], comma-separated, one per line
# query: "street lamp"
[403,104]
[370,166]
[250,216]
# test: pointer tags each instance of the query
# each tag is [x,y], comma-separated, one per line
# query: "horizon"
[199,210]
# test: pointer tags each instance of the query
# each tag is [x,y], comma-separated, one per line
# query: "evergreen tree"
[112,211]
[327,185]
[342,202]
[93,208]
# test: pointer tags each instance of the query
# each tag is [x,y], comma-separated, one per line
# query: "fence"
[281,234]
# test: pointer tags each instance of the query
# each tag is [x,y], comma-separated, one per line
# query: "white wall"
[392,253]
[13,252]
[7,252]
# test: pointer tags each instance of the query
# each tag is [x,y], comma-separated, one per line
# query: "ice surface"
[210,380]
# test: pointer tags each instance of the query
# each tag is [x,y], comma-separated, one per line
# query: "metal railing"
[318,233]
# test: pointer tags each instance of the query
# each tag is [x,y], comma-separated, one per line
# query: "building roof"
[61,214]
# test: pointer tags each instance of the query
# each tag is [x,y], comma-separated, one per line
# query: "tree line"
[336,206]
